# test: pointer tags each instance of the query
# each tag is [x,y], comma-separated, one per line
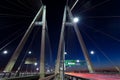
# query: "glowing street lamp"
[92,52]
[65,53]
[29,52]
[35,63]
[77,61]
[75,20]
[5,52]
[37,69]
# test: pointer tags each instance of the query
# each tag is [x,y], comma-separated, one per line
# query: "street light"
[51,70]
[75,20]
[77,61]
[35,63]
[37,69]
[63,65]
[5,52]
[92,52]
[65,53]
[29,52]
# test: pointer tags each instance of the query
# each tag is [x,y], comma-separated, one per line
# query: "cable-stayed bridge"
[63,69]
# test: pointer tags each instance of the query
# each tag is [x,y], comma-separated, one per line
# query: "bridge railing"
[13,74]
[25,76]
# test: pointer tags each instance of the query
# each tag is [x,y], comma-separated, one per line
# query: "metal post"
[81,41]
[60,43]
[42,65]
[63,60]
[15,55]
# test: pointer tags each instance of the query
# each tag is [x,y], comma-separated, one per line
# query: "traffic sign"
[73,62]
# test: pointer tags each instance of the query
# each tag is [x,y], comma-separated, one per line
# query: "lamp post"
[93,53]
[65,53]
[35,64]
[63,64]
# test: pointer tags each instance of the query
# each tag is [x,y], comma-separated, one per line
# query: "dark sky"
[99,24]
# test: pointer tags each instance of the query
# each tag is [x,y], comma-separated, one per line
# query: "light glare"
[5,52]
[92,52]
[37,69]
[78,61]
[36,64]
[76,19]
[65,53]
[29,52]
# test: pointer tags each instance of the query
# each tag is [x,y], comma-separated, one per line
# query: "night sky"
[99,25]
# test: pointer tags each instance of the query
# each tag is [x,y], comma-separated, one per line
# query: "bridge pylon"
[68,13]
[13,59]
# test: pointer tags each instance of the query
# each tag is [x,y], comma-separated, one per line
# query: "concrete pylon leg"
[81,41]
[42,65]
[15,55]
[57,67]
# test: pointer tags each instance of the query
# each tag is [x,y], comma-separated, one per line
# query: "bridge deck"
[96,76]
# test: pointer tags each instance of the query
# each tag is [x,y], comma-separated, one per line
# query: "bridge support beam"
[42,65]
[81,41]
[15,55]
[61,42]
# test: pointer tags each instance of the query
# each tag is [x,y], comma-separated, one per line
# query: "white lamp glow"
[35,63]
[5,52]
[29,52]
[92,52]
[75,20]
[37,69]
[65,53]
[78,61]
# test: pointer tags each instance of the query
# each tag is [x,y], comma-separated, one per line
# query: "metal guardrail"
[22,78]
[13,75]
[25,76]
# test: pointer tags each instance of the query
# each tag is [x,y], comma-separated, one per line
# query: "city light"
[78,61]
[29,52]
[35,63]
[37,69]
[48,70]
[65,53]
[76,19]
[51,70]
[92,52]
[5,52]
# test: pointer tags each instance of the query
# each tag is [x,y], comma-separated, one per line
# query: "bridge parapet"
[25,76]
[13,74]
